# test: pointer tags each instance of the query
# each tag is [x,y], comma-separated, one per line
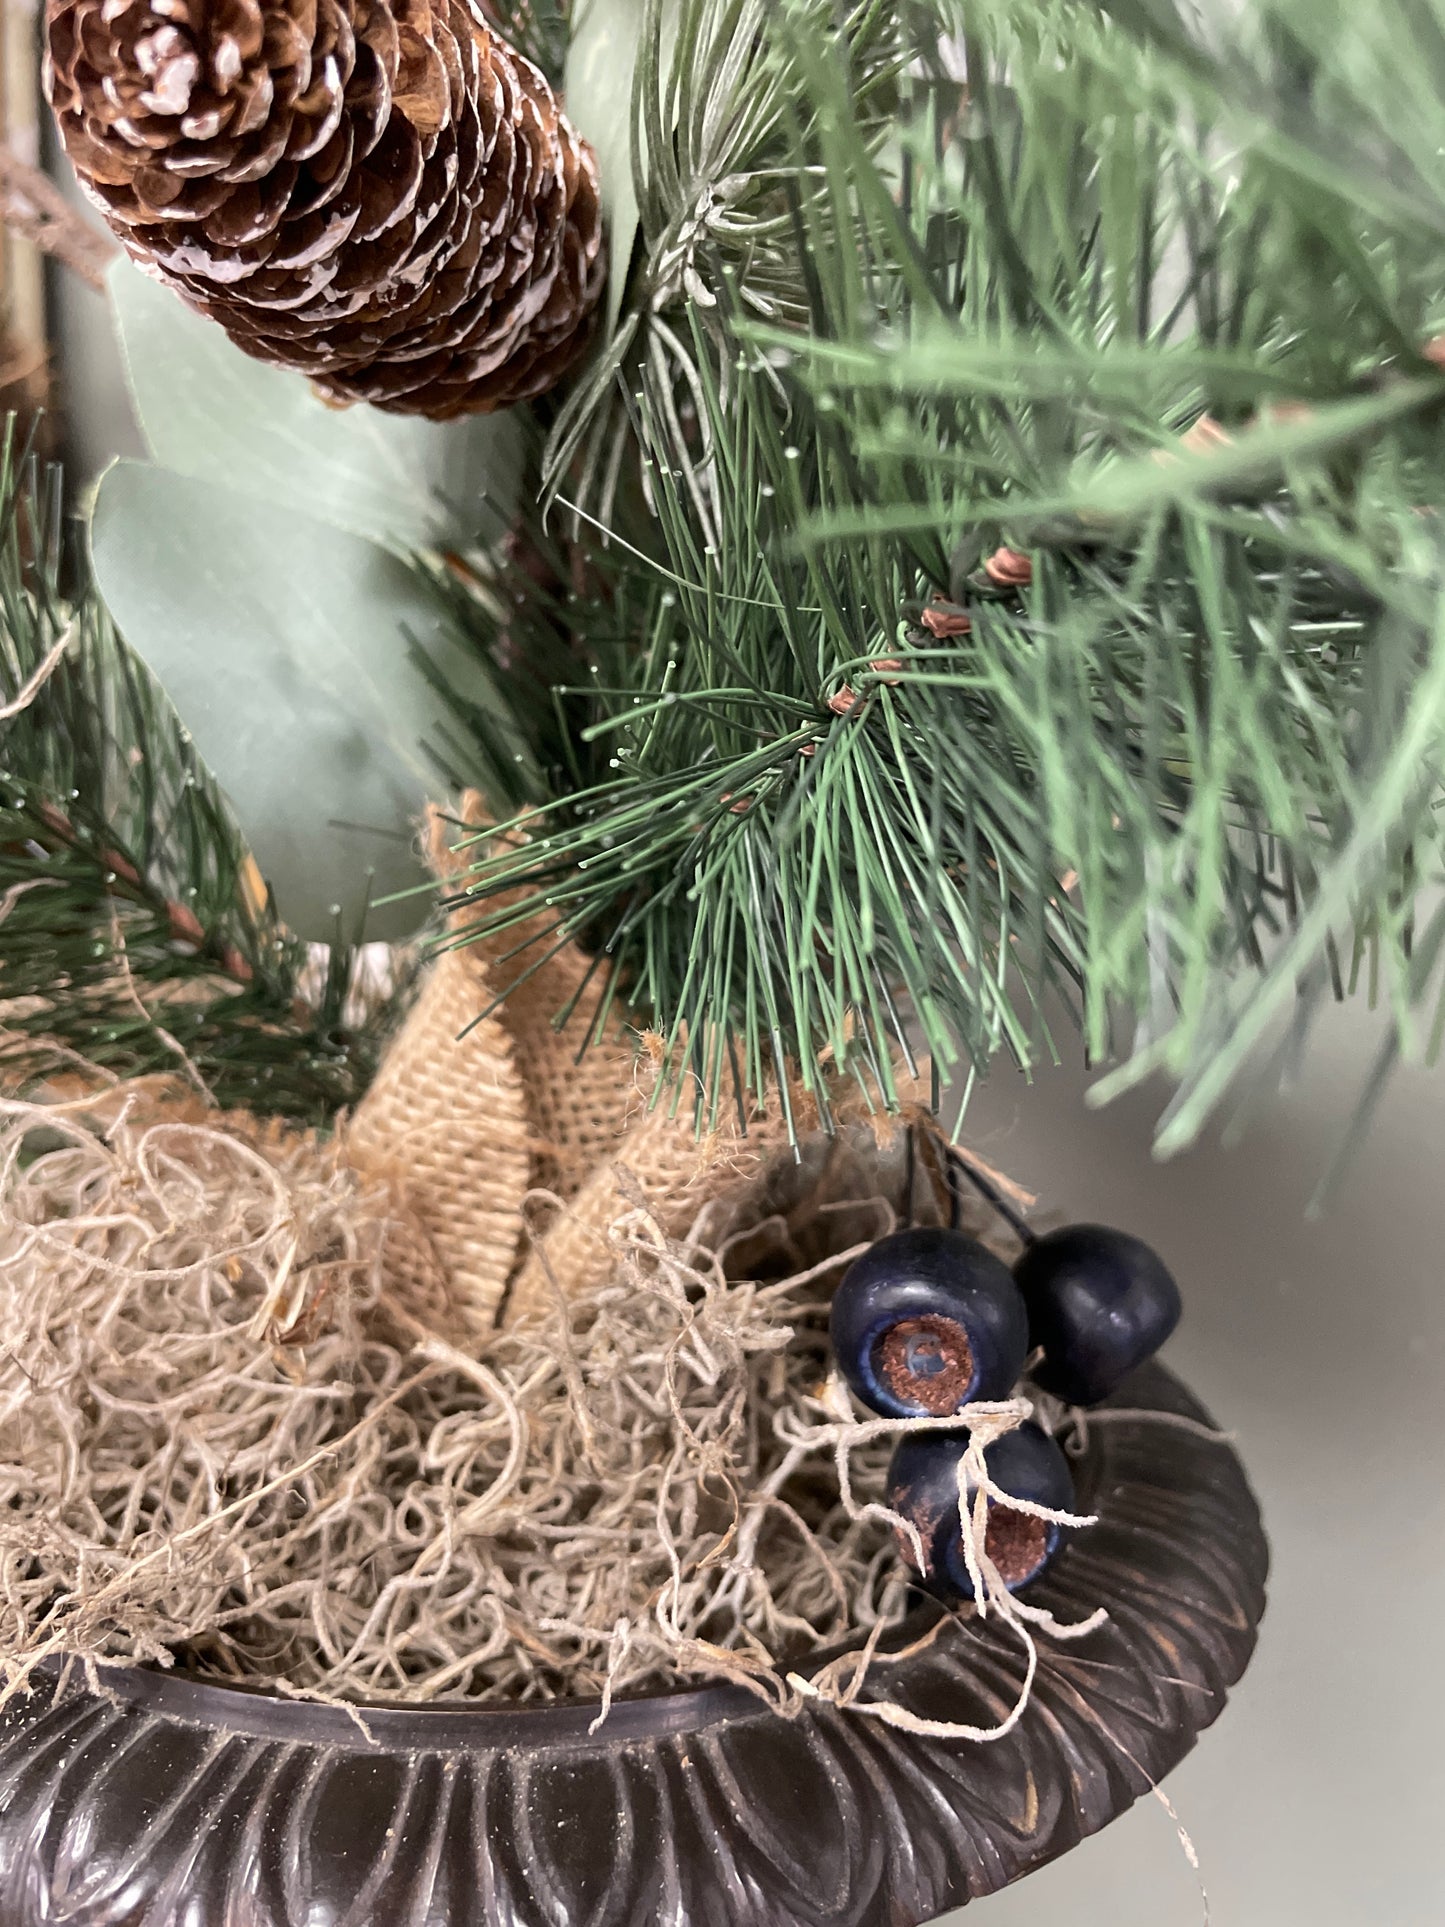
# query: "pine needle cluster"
[135,937]
[829,770]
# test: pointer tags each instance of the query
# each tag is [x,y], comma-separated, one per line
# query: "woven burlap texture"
[577,1099]
[659,1159]
[465,1118]
[445,1124]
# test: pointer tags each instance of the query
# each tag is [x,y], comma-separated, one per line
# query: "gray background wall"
[1316,1800]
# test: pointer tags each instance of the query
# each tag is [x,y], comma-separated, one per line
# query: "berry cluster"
[928,1321]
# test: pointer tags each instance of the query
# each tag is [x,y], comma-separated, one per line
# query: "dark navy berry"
[923,1488]
[925,1321]
[1099,1303]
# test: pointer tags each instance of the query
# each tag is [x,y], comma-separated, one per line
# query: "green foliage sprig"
[1190,771]
[132,937]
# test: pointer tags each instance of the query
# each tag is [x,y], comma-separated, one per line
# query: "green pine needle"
[129,943]
[881,325]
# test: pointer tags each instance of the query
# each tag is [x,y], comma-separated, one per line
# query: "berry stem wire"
[957,1163]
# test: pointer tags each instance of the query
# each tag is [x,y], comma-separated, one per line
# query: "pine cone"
[381,193]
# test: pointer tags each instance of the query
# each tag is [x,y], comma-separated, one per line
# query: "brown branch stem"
[32,206]
[184,924]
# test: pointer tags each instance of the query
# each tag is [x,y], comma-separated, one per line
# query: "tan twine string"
[32,206]
[27,692]
[842,1683]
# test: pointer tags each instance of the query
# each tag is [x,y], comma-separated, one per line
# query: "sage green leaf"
[210,411]
[598,87]
[305,661]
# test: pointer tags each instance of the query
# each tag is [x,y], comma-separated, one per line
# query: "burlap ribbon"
[445,1125]
[462,1123]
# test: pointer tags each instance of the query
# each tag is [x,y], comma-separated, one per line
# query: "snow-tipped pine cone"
[381,193]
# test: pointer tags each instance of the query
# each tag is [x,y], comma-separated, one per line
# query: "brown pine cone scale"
[381,193]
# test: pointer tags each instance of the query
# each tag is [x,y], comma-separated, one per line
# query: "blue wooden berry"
[925,1321]
[923,1488]
[1099,1303]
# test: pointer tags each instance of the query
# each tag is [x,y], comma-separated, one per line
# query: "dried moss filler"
[366,1418]
[258,1421]
[225,1437]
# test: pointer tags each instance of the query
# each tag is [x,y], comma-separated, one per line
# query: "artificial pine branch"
[834,775]
[132,938]
[720,191]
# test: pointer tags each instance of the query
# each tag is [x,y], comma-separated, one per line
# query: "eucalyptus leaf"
[598,87]
[307,663]
[210,411]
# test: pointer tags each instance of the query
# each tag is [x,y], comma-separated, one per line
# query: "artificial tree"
[972,567]
[989,552]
